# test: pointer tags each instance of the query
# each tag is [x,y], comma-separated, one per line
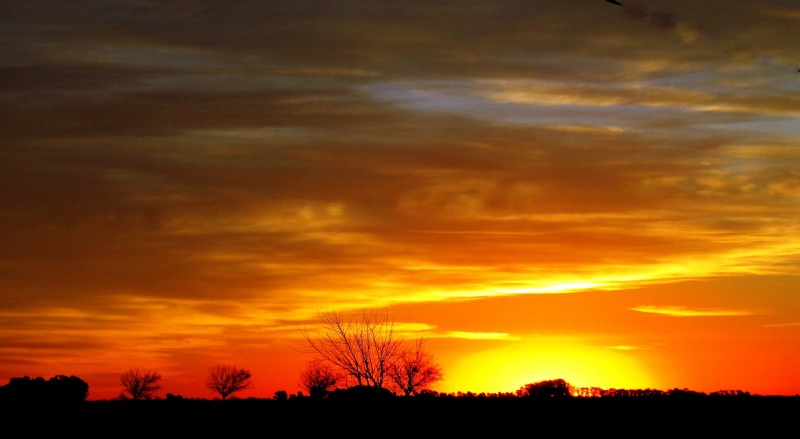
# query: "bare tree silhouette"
[414,370]
[318,379]
[140,383]
[363,349]
[227,379]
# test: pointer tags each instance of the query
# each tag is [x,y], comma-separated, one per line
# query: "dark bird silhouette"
[614,2]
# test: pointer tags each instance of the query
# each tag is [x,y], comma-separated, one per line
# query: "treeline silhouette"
[71,390]
[60,389]
[364,411]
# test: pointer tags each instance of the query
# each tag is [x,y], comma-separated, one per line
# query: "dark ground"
[753,416]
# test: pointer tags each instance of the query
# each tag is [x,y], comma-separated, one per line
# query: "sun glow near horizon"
[510,367]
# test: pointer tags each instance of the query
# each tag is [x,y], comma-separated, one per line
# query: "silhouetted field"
[760,416]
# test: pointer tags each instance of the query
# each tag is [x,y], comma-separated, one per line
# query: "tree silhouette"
[362,349]
[140,383]
[58,389]
[227,379]
[414,370]
[319,379]
[552,389]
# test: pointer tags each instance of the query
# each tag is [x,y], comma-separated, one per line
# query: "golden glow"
[507,368]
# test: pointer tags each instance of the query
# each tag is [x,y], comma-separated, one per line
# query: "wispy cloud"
[624,348]
[482,335]
[782,325]
[683,311]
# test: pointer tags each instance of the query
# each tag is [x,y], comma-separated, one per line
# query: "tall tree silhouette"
[362,349]
[228,379]
[140,383]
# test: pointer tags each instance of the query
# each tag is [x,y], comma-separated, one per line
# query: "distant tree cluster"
[58,389]
[559,389]
[550,389]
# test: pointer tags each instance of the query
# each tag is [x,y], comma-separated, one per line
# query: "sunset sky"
[542,189]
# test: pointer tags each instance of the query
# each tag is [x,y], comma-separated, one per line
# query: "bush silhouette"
[58,389]
[361,393]
[549,389]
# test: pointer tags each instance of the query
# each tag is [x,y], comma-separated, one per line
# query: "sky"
[567,189]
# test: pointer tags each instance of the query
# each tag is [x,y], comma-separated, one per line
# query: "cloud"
[481,335]
[782,325]
[682,311]
[624,347]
